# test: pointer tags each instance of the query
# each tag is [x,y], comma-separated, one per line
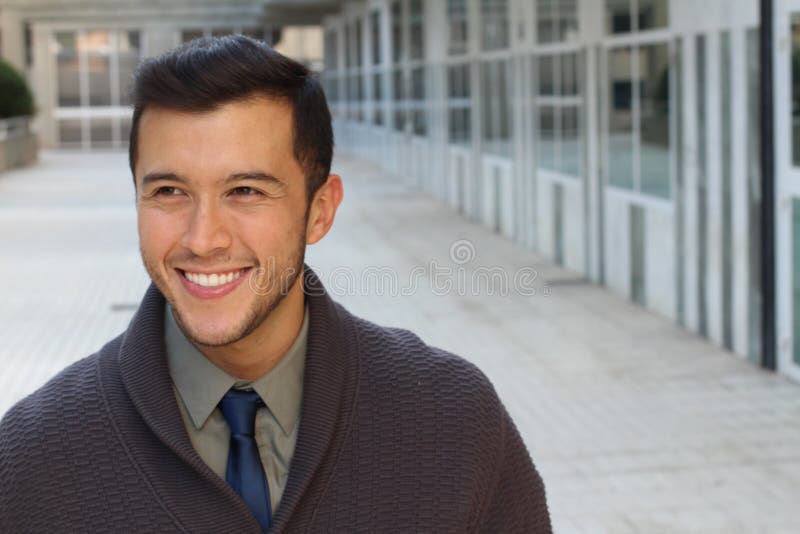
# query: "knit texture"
[395,436]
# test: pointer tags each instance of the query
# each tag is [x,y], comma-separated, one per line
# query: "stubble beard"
[280,278]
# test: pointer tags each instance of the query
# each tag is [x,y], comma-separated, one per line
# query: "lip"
[205,293]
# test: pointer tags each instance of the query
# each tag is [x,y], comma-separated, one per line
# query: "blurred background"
[641,157]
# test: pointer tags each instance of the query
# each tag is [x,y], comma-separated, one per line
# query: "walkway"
[635,425]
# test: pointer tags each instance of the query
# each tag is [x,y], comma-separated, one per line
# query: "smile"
[214,279]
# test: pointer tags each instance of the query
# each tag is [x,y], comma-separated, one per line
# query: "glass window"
[69,132]
[570,149]
[702,219]
[727,201]
[331,50]
[547,138]
[419,121]
[397,31]
[754,300]
[254,33]
[494,24]
[459,104]
[188,35]
[220,32]
[618,16]
[416,29]
[100,133]
[556,20]
[457,26]
[796,89]
[375,32]
[359,44]
[129,55]
[398,97]
[377,98]
[637,227]
[98,57]
[620,118]
[495,107]
[796,280]
[653,14]
[69,90]
[654,157]
[547,75]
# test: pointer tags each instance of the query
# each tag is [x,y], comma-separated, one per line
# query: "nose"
[208,232]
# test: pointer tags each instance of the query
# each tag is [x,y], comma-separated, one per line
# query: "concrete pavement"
[634,424]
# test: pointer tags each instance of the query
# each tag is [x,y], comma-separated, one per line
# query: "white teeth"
[212,280]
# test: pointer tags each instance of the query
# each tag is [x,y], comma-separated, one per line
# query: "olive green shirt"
[199,385]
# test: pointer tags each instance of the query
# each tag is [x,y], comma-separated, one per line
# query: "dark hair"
[204,73]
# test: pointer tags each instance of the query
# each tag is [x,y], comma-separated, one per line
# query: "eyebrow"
[256,175]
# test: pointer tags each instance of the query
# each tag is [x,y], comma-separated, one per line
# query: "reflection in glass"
[98,56]
[547,75]
[398,96]
[457,25]
[495,24]
[655,102]
[495,107]
[569,74]
[556,20]
[419,122]
[620,119]
[69,90]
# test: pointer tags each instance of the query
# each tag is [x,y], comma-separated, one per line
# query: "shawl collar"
[329,388]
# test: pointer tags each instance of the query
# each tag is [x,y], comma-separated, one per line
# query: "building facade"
[620,138]
[79,55]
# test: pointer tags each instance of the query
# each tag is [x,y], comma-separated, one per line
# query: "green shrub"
[15,97]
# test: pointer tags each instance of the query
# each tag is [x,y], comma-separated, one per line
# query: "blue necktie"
[245,473]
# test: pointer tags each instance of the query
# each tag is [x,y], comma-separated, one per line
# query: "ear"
[323,208]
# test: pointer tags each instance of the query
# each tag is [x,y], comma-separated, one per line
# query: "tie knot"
[239,409]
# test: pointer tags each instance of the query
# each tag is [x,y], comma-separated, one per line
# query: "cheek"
[158,231]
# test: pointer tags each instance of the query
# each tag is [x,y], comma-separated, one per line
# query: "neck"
[259,352]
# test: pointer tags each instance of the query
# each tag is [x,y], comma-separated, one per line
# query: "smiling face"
[223,216]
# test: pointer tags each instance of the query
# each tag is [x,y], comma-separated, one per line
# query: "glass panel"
[655,103]
[359,44]
[129,54]
[653,14]
[495,24]
[398,96]
[458,91]
[69,132]
[397,31]
[547,138]
[620,119]
[375,32]
[546,21]
[98,50]
[331,50]
[457,25]
[417,30]
[547,75]
[570,141]
[702,264]
[725,155]
[188,35]
[569,75]
[495,102]
[558,223]
[754,302]
[125,131]
[254,33]
[618,16]
[568,20]
[796,89]
[796,280]
[637,258]
[69,89]
[100,133]
[377,98]
[220,32]
[420,126]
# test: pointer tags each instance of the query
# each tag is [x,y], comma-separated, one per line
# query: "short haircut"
[203,74]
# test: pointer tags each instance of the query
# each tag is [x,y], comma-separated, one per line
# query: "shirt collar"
[201,384]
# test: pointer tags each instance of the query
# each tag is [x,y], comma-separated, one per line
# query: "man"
[241,398]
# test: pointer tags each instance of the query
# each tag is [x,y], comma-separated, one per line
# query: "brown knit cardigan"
[395,436]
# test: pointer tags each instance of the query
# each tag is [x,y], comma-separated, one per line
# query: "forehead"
[251,132]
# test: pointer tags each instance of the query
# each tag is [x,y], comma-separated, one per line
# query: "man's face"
[222,212]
